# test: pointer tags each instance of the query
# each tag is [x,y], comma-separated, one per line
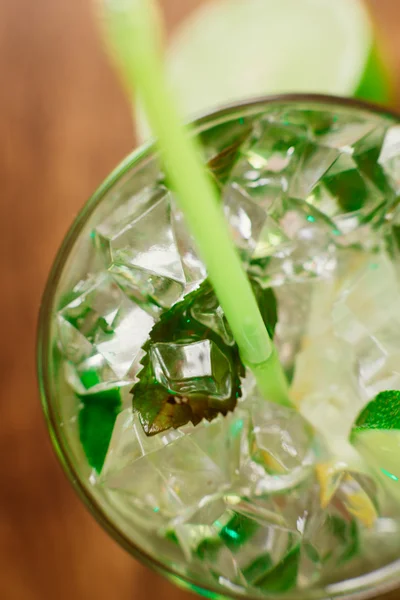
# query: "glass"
[310,191]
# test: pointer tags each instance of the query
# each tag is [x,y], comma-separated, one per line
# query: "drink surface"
[165,424]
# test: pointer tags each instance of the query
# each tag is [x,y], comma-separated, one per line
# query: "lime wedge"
[230,50]
[376,436]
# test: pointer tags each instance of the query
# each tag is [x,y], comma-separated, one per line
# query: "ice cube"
[246,219]
[101,333]
[190,368]
[279,508]
[95,307]
[345,132]
[256,234]
[351,188]
[169,473]
[268,161]
[366,154]
[346,195]
[146,288]
[221,441]
[315,160]
[189,471]
[245,551]
[379,359]
[74,345]
[385,536]
[194,269]
[343,192]
[330,540]
[339,129]
[325,385]
[276,451]
[130,443]
[294,304]
[312,252]
[142,252]
[365,314]
[146,487]
[207,310]
[92,374]
[198,523]
[336,129]
[280,438]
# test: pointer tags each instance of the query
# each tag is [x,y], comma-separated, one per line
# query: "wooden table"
[64,124]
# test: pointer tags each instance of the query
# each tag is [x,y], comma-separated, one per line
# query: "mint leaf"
[256,570]
[224,144]
[238,531]
[158,407]
[381,413]
[196,318]
[96,423]
[266,301]
[284,576]
[354,545]
[223,163]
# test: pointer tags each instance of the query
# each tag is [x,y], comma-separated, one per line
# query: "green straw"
[133,31]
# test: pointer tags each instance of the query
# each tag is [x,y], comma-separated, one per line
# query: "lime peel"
[381,413]
[376,437]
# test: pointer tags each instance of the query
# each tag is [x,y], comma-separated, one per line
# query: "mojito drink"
[154,415]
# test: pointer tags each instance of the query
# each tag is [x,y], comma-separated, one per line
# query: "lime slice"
[376,436]
[230,50]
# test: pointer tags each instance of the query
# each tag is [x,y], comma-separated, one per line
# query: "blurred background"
[64,124]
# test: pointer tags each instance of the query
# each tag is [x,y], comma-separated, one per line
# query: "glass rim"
[368,585]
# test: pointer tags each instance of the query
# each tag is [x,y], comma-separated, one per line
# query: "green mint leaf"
[353,547]
[96,423]
[284,576]
[159,407]
[221,165]
[238,531]
[223,145]
[381,413]
[197,318]
[266,300]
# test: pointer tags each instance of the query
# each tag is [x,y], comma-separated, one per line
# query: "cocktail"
[161,427]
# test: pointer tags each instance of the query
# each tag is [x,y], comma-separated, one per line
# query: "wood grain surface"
[64,124]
